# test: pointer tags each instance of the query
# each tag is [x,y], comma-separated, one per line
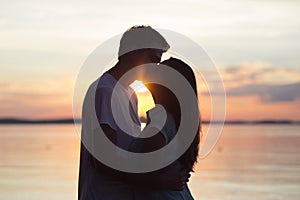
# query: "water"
[249,161]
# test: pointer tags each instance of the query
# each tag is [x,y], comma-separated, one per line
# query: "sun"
[145,100]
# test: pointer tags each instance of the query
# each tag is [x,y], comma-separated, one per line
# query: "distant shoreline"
[44,121]
[78,121]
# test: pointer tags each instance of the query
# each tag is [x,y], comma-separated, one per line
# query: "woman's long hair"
[189,158]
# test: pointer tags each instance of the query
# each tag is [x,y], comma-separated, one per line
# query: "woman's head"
[168,100]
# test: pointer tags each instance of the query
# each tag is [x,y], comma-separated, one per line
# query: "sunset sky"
[254,44]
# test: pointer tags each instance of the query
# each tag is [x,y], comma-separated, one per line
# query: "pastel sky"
[254,44]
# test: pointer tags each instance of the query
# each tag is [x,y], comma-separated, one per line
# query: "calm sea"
[249,162]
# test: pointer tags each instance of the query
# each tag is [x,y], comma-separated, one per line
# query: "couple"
[102,109]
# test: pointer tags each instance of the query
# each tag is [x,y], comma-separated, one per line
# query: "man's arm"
[167,178]
[171,180]
[109,132]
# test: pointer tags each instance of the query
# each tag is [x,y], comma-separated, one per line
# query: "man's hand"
[171,179]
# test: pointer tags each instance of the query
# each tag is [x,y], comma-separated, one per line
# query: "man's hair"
[141,37]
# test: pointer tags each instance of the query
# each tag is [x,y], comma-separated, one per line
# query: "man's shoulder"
[103,84]
[106,80]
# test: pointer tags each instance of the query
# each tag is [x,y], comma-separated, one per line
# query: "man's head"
[144,43]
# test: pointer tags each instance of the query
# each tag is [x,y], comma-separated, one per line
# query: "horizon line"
[11,120]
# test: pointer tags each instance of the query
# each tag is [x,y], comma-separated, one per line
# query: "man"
[139,45]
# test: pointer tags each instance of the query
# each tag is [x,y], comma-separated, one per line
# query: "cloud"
[258,73]
[35,98]
[270,83]
[269,93]
[4,85]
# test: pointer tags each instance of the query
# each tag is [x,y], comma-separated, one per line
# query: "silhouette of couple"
[111,126]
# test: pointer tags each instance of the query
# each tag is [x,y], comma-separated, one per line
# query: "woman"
[168,100]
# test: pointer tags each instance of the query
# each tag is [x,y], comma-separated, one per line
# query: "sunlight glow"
[138,86]
[145,100]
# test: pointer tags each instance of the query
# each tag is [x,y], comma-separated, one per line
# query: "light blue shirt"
[93,183]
